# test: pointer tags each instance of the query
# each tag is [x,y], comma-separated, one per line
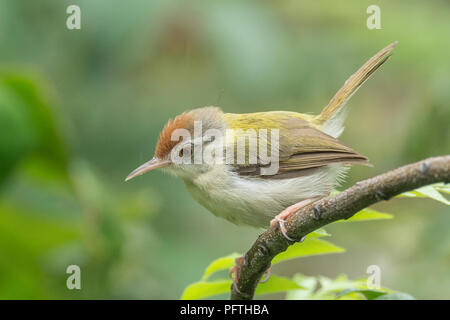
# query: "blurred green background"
[79,109]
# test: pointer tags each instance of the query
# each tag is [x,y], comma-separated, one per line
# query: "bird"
[310,160]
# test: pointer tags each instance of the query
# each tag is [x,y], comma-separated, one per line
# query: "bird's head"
[180,146]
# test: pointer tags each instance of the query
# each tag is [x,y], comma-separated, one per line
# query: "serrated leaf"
[222,263]
[309,247]
[368,214]
[204,289]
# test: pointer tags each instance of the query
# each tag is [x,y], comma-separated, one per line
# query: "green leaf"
[309,247]
[203,289]
[206,289]
[323,288]
[369,294]
[442,187]
[277,284]
[339,283]
[27,115]
[219,264]
[308,283]
[31,233]
[334,192]
[396,296]
[368,214]
[318,234]
[428,192]
[227,262]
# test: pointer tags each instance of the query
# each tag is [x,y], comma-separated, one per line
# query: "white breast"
[255,201]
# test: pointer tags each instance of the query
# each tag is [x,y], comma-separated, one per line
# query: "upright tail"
[332,116]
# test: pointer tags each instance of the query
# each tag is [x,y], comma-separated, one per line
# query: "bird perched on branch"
[225,162]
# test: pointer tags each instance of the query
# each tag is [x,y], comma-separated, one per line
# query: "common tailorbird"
[298,158]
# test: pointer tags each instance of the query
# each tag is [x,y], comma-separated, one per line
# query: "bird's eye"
[185,151]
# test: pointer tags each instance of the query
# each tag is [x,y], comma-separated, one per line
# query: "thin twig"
[327,210]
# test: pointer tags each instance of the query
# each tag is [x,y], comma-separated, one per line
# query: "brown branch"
[327,210]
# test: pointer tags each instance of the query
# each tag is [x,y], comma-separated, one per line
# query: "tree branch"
[329,209]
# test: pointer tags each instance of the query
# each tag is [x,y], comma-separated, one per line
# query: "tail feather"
[332,115]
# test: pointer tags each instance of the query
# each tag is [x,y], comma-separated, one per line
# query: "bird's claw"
[267,275]
[235,270]
[283,229]
[281,224]
[281,218]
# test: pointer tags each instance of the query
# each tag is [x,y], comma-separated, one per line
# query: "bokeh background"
[79,109]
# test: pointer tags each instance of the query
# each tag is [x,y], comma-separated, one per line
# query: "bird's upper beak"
[155,163]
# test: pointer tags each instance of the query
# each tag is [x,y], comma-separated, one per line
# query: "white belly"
[254,201]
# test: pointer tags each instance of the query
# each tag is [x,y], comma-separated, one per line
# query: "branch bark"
[329,209]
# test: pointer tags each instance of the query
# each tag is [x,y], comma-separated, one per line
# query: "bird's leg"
[280,218]
[234,271]
[286,213]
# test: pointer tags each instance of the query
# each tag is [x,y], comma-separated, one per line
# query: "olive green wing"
[302,149]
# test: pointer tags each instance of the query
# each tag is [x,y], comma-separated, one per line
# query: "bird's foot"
[234,271]
[267,275]
[286,213]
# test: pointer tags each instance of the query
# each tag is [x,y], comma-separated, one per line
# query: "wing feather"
[303,149]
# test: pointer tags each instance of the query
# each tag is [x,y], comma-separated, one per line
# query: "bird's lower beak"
[155,163]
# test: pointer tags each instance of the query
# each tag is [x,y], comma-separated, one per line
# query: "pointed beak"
[148,166]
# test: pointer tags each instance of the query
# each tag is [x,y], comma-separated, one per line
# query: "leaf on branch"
[442,187]
[309,247]
[222,263]
[206,289]
[369,294]
[277,284]
[203,289]
[367,215]
[396,296]
[340,288]
[310,285]
[431,191]
[432,170]
[318,234]
[227,262]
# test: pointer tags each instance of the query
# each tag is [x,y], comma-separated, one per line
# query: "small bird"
[310,160]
